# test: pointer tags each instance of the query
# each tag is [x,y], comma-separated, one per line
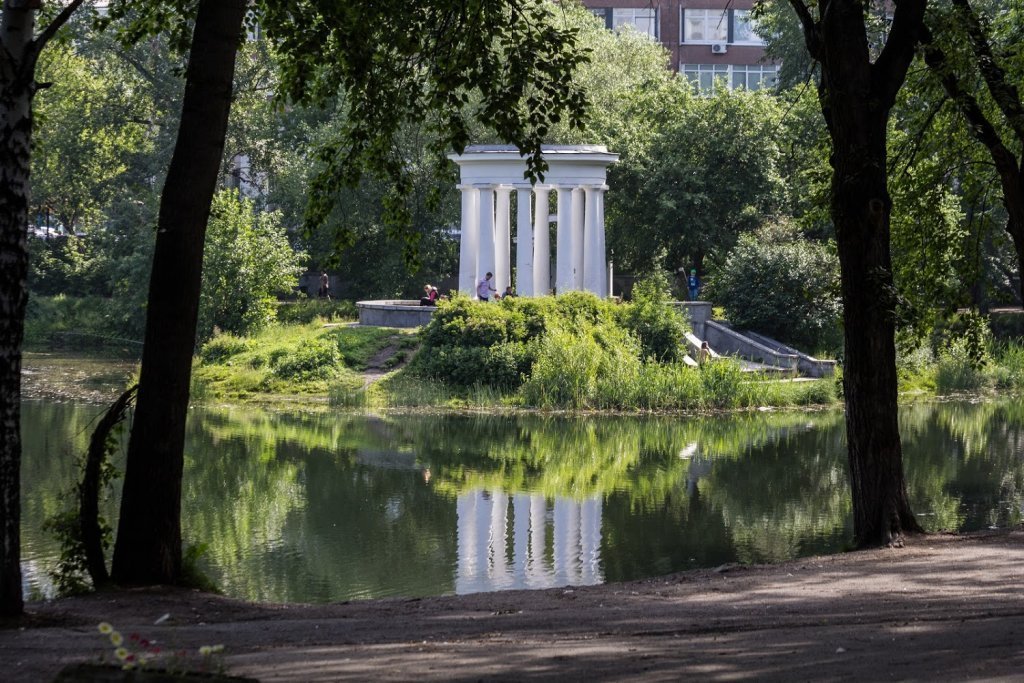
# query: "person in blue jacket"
[693,283]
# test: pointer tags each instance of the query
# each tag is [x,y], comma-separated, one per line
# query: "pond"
[327,507]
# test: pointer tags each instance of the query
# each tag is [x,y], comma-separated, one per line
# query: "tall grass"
[957,371]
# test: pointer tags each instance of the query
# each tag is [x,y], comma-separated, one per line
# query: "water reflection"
[503,541]
[301,507]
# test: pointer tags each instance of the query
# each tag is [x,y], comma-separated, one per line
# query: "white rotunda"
[576,173]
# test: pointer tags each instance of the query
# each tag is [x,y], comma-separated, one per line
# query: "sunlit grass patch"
[289,359]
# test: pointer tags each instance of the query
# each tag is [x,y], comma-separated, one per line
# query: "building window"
[604,14]
[705,26]
[754,76]
[744,28]
[643,20]
[707,77]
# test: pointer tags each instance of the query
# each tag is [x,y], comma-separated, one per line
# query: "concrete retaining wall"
[394,313]
[697,312]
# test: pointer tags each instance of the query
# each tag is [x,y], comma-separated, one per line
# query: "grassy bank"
[573,352]
[295,360]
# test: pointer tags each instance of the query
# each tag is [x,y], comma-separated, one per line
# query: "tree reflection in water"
[319,507]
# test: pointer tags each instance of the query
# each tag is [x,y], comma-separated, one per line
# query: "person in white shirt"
[484,288]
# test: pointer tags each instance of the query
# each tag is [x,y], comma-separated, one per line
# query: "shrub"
[565,371]
[721,383]
[1009,367]
[957,370]
[223,346]
[651,317]
[314,359]
[777,283]
[247,261]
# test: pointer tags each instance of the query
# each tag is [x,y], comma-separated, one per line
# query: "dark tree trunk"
[16,90]
[860,211]
[1013,199]
[857,94]
[19,52]
[89,489]
[148,547]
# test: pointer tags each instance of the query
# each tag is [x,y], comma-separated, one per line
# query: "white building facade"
[575,180]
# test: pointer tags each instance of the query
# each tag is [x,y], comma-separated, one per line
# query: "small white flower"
[205,650]
[121,653]
[116,639]
[105,627]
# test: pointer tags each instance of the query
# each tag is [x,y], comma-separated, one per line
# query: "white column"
[498,541]
[485,258]
[606,285]
[593,257]
[469,561]
[469,243]
[566,542]
[577,238]
[563,245]
[520,537]
[590,541]
[502,240]
[535,569]
[524,243]
[541,242]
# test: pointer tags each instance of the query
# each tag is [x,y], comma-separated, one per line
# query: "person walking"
[485,287]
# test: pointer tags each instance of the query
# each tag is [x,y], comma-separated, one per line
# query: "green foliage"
[85,135]
[290,360]
[247,261]
[565,372]
[1007,326]
[956,369]
[313,359]
[510,53]
[305,311]
[1008,366]
[222,347]
[710,173]
[779,284]
[495,344]
[80,322]
[66,265]
[721,382]
[71,574]
[654,321]
[192,576]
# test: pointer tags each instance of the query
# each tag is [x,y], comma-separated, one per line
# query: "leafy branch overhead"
[441,63]
[424,62]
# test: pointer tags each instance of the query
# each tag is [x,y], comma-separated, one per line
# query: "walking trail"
[944,607]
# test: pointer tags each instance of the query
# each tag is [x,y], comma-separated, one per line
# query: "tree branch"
[811,35]
[978,124]
[51,29]
[889,70]
[1005,94]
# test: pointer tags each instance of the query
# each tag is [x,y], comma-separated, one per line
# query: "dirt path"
[945,607]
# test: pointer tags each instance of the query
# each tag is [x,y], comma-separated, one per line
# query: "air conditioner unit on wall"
[719,48]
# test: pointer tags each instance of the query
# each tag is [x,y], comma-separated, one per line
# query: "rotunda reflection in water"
[524,541]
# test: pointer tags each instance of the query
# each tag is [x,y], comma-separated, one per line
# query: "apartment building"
[711,42]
